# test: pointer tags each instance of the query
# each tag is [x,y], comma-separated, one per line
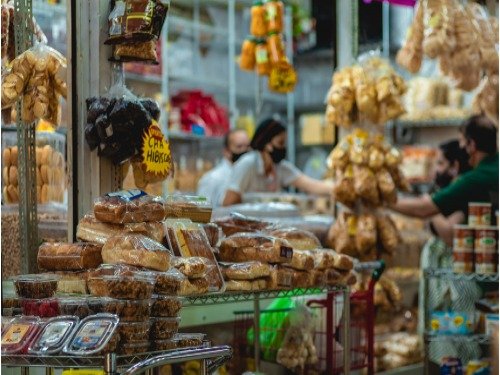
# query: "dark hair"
[453,152]
[266,131]
[482,131]
[229,134]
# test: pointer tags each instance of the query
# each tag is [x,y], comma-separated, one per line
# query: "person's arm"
[422,207]
[239,181]
[312,186]
[443,226]
[231,197]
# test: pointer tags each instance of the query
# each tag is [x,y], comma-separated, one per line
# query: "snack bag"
[343,190]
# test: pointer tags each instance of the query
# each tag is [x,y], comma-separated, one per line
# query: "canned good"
[463,238]
[479,214]
[463,262]
[450,365]
[486,263]
[486,239]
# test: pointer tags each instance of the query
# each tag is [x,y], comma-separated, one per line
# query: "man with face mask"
[479,139]
[265,169]
[213,183]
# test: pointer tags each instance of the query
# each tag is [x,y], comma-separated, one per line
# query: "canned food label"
[485,268]
[462,267]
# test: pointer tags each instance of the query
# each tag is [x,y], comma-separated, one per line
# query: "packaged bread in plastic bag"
[343,190]
[365,185]
[411,54]
[386,186]
[243,247]
[366,233]
[245,270]
[341,234]
[299,239]
[388,233]
[192,267]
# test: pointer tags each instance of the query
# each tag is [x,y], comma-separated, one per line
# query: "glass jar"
[247,58]
[262,58]
[274,14]
[258,24]
[275,47]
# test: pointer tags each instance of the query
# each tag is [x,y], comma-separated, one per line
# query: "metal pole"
[25,370]
[256,329]
[426,320]
[49,371]
[231,40]
[110,364]
[330,332]
[346,331]
[164,90]
[386,46]
[290,97]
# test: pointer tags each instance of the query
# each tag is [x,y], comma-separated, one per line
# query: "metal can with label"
[479,214]
[463,262]
[486,239]
[463,238]
[486,263]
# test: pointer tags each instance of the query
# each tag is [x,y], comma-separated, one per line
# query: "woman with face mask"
[265,169]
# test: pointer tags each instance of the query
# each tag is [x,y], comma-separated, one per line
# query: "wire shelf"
[478,339]
[230,297]
[450,275]
[449,122]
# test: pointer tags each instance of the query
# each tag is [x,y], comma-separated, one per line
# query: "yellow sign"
[156,151]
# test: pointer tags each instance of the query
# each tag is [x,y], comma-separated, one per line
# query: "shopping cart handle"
[377,273]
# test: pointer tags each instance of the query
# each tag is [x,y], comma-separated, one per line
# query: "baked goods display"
[369,91]
[191,267]
[242,247]
[398,350]
[68,257]
[299,239]
[194,208]
[237,223]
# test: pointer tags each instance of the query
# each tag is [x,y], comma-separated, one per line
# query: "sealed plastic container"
[76,306]
[164,328]
[166,306]
[198,209]
[131,348]
[133,285]
[54,335]
[19,333]
[35,285]
[169,283]
[163,345]
[184,340]
[127,310]
[95,334]
[44,308]
[136,331]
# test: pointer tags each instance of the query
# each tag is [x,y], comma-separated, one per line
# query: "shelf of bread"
[450,275]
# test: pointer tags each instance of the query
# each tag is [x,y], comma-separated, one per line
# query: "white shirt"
[249,175]
[213,184]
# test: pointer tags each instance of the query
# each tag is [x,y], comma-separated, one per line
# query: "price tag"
[156,151]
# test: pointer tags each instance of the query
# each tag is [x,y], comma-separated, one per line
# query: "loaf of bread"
[243,247]
[72,282]
[245,271]
[302,260]
[239,285]
[193,287]
[318,278]
[91,230]
[192,267]
[68,257]
[131,206]
[199,213]
[238,223]
[332,277]
[213,233]
[136,250]
[301,279]
[343,262]
[280,278]
[297,238]
[324,258]
[349,279]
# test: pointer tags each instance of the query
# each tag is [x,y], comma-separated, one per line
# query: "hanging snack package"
[366,233]
[386,186]
[19,334]
[136,21]
[95,334]
[54,335]
[247,56]
[143,52]
[343,190]
[258,24]
[388,234]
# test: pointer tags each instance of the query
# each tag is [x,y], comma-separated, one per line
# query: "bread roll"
[6,157]
[324,258]
[44,194]
[129,207]
[6,196]
[39,181]
[13,155]
[46,157]
[238,285]
[280,278]
[243,247]
[38,156]
[302,260]
[44,173]
[192,267]
[13,178]
[5,175]
[136,250]
[13,194]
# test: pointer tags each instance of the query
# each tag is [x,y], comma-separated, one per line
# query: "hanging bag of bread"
[258,22]
[366,94]
[247,57]
[388,234]
[262,58]
[274,14]
[435,19]
[366,233]
[341,99]
[411,54]
[341,234]
[343,190]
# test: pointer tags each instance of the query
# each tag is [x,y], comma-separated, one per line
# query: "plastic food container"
[185,340]
[162,345]
[131,348]
[95,334]
[118,286]
[138,331]
[463,238]
[19,333]
[164,306]
[169,283]
[35,286]
[74,306]
[198,209]
[44,308]
[127,310]
[164,328]
[54,335]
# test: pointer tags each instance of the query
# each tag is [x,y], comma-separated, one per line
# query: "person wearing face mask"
[212,184]
[264,169]
[479,140]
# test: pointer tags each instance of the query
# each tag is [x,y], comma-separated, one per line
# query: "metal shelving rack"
[446,274]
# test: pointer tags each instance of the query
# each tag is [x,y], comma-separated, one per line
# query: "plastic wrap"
[144,52]
[198,209]
[127,310]
[169,283]
[195,287]
[244,247]
[19,333]
[134,331]
[386,186]
[280,278]
[131,206]
[366,233]
[136,250]
[192,267]
[302,260]
[213,233]
[237,223]
[91,230]
[301,279]
[365,185]
[53,336]
[299,239]
[35,286]
[166,306]
[74,306]
[95,334]
[44,308]
[341,234]
[134,347]
[68,257]
[164,328]
[245,271]
[324,258]
[411,54]
[239,285]
[388,234]
[187,340]
[343,190]
[118,281]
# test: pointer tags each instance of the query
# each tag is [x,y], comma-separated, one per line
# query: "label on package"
[127,195]
[286,252]
[15,334]
[91,334]
[53,334]
[156,151]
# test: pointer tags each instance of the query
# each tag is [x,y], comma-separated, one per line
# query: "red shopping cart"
[328,336]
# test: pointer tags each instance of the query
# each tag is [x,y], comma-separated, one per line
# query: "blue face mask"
[278,154]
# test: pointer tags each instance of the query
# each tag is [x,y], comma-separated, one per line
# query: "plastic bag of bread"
[365,185]
[358,152]
[280,278]
[129,206]
[366,233]
[324,258]
[317,278]
[299,239]
[341,234]
[239,285]
[243,247]
[392,291]
[343,263]
[348,279]
[192,267]
[301,279]
[400,180]
[237,223]
[343,190]
[169,283]
[194,287]
[169,227]
[388,233]
[435,19]
[245,271]
[91,230]
[197,209]
[57,256]
[339,157]
[386,186]
[411,54]
[332,277]
[213,233]
[302,260]
[136,250]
